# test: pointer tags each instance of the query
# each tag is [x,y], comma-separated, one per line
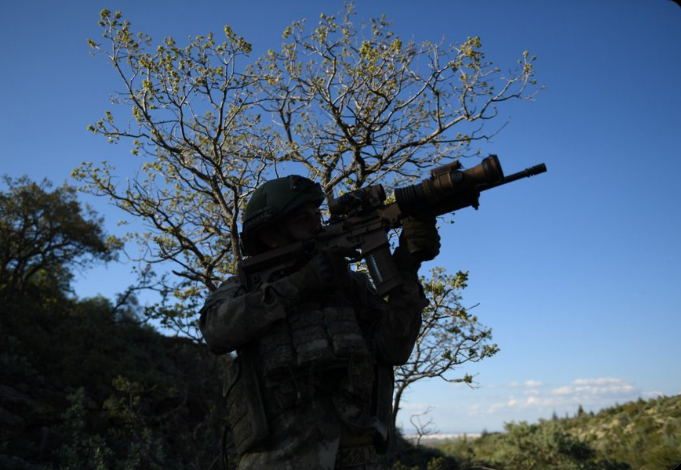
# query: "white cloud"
[601,381]
[592,394]
[408,408]
[603,387]
[566,390]
[526,384]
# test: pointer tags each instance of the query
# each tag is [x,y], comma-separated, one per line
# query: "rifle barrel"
[533,170]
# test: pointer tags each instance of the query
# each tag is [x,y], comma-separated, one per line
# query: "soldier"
[312,384]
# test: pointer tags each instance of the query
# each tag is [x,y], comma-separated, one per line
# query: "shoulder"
[229,289]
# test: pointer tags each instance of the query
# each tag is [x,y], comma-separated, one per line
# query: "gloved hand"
[328,267]
[420,237]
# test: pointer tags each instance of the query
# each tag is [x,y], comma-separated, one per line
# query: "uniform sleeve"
[399,319]
[232,317]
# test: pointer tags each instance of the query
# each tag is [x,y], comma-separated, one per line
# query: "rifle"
[361,220]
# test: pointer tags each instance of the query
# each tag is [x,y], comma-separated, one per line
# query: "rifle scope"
[449,188]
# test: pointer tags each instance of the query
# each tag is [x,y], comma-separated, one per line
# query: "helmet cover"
[273,200]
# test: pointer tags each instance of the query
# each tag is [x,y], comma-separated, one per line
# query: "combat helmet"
[272,201]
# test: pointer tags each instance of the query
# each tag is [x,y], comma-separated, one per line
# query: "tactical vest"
[318,348]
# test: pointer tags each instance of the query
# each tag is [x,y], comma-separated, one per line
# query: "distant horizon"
[446,434]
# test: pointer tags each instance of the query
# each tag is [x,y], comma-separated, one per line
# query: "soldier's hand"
[327,267]
[420,237]
[331,263]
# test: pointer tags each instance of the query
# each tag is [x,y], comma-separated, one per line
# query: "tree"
[449,337]
[139,399]
[44,234]
[348,105]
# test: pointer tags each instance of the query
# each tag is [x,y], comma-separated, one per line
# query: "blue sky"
[577,271]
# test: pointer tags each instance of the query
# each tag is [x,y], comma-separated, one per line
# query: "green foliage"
[86,379]
[85,451]
[404,455]
[642,435]
[136,399]
[194,128]
[43,231]
[645,434]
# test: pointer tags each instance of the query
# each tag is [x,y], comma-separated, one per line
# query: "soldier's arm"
[232,317]
[399,328]
[394,324]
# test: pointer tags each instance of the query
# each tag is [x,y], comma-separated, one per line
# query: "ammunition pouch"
[311,339]
[276,353]
[344,333]
[245,408]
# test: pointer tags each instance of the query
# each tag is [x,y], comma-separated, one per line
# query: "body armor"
[318,348]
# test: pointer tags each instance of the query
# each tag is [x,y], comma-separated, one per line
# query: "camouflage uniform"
[313,382]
